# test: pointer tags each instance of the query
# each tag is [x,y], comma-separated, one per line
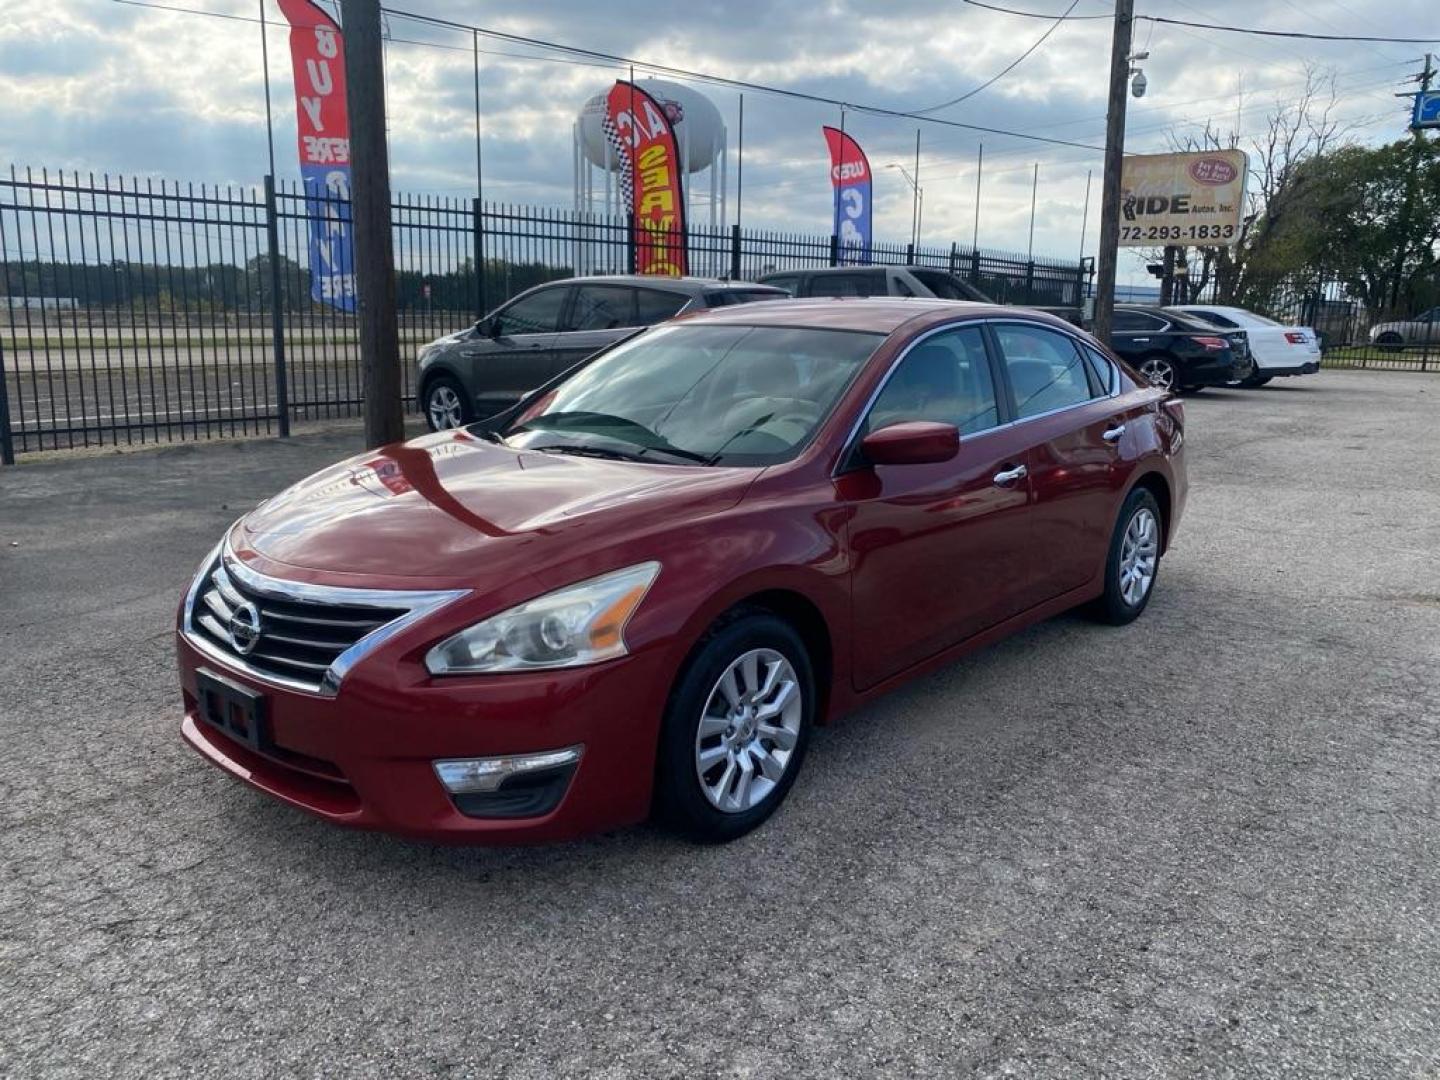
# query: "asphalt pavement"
[1207,844]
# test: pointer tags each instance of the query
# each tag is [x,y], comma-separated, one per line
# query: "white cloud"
[114,88]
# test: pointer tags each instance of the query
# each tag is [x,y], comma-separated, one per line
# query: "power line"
[1287,33]
[1035,14]
[1008,67]
[720,80]
[1214,26]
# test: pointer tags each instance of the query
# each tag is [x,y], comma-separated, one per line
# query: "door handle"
[1009,476]
[1113,434]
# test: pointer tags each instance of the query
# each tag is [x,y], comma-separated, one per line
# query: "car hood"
[449,506]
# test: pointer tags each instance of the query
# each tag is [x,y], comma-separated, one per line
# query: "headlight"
[579,624]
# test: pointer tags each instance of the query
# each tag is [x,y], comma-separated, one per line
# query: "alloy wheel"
[1139,552]
[748,730]
[445,408]
[1159,372]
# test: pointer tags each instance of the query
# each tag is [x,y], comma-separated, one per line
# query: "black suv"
[548,329]
[1176,351]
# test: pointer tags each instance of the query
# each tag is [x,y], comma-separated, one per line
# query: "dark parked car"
[528,341]
[926,281]
[641,587]
[1175,351]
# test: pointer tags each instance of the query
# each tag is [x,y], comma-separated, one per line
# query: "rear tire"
[735,730]
[1159,371]
[1390,341]
[1133,562]
[446,404]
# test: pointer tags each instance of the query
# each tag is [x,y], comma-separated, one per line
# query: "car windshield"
[729,395]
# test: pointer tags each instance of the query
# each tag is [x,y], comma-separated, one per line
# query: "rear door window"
[1045,368]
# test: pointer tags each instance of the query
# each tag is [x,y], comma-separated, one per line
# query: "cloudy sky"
[101,86]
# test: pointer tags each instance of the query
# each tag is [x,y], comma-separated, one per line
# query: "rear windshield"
[742,296]
[947,286]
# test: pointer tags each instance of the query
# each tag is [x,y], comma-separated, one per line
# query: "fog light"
[468,776]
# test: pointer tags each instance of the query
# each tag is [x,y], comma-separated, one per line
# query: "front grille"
[297,640]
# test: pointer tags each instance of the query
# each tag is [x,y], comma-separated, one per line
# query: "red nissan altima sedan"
[639,590]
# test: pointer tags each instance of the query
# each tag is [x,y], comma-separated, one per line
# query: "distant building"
[42,303]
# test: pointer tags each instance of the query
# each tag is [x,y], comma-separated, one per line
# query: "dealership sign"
[850,189]
[642,133]
[317,52]
[1187,200]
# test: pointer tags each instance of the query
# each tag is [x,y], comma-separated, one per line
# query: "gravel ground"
[1205,844]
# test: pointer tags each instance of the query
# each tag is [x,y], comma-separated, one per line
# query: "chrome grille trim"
[208,608]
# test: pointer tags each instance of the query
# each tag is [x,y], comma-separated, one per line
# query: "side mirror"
[487,327]
[918,442]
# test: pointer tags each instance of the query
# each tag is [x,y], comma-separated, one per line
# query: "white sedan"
[1277,349]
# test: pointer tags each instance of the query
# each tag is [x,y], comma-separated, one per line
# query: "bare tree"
[1295,131]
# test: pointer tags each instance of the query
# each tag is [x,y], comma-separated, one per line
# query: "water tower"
[701,137]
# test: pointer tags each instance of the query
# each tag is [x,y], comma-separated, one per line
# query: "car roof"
[823,270]
[878,314]
[691,286]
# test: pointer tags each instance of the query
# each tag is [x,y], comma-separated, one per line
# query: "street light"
[917,206]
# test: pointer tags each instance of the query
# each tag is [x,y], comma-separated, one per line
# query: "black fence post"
[1080,284]
[735,252]
[277,316]
[7,437]
[975,266]
[954,256]
[630,254]
[909,254]
[834,249]
[1030,282]
[479,233]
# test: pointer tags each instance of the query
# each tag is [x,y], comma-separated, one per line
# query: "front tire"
[1133,562]
[1390,341]
[446,404]
[735,730]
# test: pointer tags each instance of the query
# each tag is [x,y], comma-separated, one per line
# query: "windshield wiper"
[590,450]
[577,422]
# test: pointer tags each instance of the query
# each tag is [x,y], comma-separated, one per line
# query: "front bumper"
[365,758]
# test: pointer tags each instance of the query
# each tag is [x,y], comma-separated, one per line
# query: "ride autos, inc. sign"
[1188,200]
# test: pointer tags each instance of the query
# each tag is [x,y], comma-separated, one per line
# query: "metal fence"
[1353,334]
[136,311]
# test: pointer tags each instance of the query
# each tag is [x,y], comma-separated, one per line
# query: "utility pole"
[1408,210]
[1167,276]
[370,212]
[1114,162]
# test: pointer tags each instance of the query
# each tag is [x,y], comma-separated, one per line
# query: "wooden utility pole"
[1167,277]
[1114,162]
[370,211]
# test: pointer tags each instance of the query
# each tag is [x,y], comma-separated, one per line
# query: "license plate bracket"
[234,709]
